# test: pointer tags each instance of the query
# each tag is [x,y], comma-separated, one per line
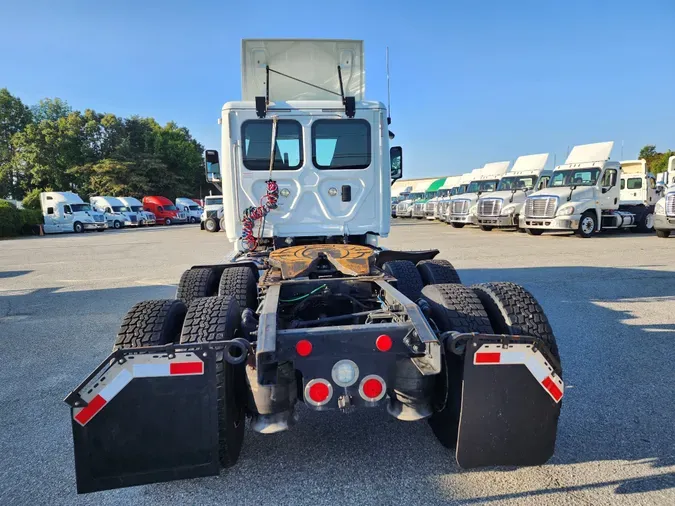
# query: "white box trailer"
[502,208]
[67,212]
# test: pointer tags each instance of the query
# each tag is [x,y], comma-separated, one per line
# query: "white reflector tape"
[111,381]
[522,354]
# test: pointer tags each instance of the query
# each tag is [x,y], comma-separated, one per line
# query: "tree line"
[51,147]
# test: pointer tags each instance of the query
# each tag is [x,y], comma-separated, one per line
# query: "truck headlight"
[508,210]
[660,207]
[565,211]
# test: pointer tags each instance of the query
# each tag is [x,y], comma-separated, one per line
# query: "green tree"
[14,117]
[51,109]
[657,162]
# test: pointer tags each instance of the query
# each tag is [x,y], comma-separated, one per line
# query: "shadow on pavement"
[13,274]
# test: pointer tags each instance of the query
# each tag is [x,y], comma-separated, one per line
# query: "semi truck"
[117,214]
[212,215]
[307,308]
[420,205]
[404,208]
[502,208]
[463,208]
[67,212]
[191,208]
[664,211]
[144,217]
[584,195]
[166,213]
[432,208]
[464,181]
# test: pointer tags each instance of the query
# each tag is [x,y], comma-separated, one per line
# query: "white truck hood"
[580,193]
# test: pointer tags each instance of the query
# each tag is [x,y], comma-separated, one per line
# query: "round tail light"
[372,388]
[303,348]
[318,392]
[383,342]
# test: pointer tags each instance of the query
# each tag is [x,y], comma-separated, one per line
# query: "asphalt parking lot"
[610,299]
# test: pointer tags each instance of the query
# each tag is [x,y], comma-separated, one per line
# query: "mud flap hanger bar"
[261,103]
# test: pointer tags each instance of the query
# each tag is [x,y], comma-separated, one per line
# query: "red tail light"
[383,343]
[303,347]
[318,392]
[372,388]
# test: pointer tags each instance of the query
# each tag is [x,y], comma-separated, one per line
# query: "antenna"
[388,92]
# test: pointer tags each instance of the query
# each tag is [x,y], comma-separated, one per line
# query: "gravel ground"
[610,299]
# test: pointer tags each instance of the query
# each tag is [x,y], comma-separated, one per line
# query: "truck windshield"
[341,144]
[517,183]
[214,202]
[120,209]
[430,195]
[488,185]
[414,196]
[136,209]
[257,135]
[574,177]
[195,208]
[80,207]
[170,208]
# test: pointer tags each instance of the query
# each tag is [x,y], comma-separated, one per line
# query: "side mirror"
[212,165]
[396,160]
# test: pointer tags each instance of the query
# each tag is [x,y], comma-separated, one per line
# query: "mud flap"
[144,416]
[510,403]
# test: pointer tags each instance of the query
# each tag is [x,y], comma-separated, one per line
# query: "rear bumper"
[497,221]
[663,222]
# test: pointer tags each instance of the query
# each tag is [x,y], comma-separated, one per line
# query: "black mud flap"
[145,416]
[510,403]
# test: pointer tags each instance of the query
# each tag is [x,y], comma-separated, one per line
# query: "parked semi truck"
[502,208]
[404,208]
[212,215]
[307,308]
[584,196]
[191,208]
[432,207]
[136,206]
[419,206]
[463,208]
[464,181]
[166,213]
[117,214]
[67,212]
[664,211]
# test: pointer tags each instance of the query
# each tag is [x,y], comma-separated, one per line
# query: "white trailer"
[117,213]
[502,208]
[463,208]
[664,211]
[67,212]
[584,195]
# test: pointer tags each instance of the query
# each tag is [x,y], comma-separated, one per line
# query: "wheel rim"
[210,226]
[649,221]
[117,224]
[587,225]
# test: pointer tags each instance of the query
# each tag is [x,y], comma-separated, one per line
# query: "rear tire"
[218,319]
[408,279]
[663,233]
[457,308]
[197,283]
[151,323]
[457,225]
[437,272]
[534,231]
[514,311]
[240,283]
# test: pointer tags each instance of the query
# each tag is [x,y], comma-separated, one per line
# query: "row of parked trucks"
[67,212]
[589,193]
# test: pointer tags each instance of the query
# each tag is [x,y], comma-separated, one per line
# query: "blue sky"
[472,81]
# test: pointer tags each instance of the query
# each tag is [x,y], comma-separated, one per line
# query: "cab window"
[257,138]
[634,183]
[67,210]
[609,178]
[341,144]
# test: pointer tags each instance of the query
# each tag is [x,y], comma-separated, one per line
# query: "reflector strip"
[186,368]
[523,354]
[127,372]
[86,414]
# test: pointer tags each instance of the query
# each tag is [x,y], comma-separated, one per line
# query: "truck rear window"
[341,144]
[257,137]
[634,183]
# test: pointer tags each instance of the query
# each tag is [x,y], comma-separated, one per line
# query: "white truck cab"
[463,208]
[67,212]
[584,196]
[331,168]
[116,213]
[460,189]
[664,211]
[212,215]
[136,206]
[432,209]
[502,208]
[404,208]
[192,209]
